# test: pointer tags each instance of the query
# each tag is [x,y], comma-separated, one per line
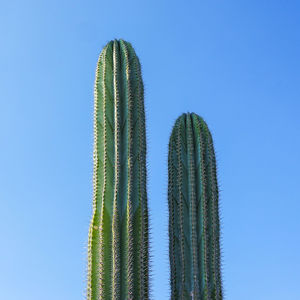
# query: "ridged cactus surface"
[118,234]
[194,232]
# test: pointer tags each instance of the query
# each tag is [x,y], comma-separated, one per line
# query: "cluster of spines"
[194,229]
[118,236]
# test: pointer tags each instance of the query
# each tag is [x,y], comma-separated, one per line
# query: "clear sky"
[235,63]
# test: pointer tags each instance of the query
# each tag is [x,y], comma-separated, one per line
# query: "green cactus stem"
[194,227]
[118,234]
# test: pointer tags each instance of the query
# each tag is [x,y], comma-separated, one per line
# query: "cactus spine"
[118,233]
[194,228]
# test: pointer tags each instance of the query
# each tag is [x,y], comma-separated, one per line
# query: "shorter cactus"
[194,232]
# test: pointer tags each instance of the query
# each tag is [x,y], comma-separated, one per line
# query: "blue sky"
[235,63]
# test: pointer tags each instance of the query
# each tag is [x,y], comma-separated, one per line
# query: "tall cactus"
[194,228]
[118,234]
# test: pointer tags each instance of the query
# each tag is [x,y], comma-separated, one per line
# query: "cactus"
[194,228]
[118,235]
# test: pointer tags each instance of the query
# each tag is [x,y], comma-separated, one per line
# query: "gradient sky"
[235,63]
